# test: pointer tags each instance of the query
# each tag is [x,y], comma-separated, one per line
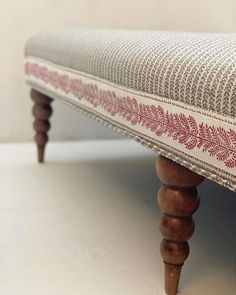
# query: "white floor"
[86,223]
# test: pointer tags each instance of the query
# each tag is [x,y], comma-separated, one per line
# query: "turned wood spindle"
[41,112]
[178,200]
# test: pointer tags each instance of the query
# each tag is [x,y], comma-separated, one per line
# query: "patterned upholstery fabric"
[174,92]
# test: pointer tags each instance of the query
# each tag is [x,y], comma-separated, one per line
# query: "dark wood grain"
[41,112]
[178,200]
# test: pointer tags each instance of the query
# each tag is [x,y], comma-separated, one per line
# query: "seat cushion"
[174,92]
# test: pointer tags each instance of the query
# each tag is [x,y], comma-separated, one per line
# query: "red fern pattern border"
[216,141]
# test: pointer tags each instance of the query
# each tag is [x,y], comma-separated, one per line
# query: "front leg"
[178,200]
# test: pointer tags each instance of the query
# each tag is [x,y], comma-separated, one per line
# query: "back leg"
[41,111]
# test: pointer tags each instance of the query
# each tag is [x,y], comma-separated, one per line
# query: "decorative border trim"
[216,141]
[198,167]
[187,131]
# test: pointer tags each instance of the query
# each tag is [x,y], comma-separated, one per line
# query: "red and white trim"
[204,136]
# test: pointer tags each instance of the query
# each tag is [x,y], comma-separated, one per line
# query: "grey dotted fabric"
[196,69]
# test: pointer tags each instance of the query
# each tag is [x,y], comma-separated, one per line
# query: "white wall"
[21,19]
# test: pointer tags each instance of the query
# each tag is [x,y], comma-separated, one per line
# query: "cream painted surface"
[86,223]
[21,19]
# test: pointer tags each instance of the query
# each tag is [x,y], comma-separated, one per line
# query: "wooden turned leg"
[41,112]
[178,200]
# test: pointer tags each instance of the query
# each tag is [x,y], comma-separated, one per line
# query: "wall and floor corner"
[15,115]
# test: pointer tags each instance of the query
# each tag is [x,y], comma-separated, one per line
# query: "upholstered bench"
[173,92]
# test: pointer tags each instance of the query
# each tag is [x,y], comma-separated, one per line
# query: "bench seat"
[173,92]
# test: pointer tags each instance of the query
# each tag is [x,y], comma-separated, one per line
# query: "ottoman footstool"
[173,92]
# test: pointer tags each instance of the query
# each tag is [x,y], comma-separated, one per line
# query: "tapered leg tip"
[172,277]
[41,154]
